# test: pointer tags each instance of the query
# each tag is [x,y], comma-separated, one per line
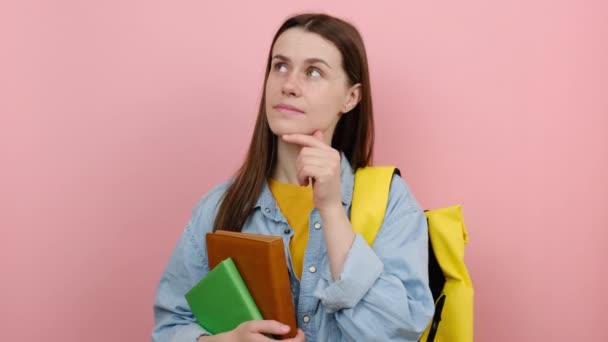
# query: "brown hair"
[354,133]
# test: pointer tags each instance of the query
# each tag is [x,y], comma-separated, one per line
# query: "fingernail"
[285,328]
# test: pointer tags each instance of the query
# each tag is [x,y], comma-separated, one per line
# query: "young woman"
[314,128]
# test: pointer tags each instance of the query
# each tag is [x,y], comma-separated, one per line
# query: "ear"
[353,96]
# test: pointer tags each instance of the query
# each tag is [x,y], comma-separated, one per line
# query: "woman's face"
[307,88]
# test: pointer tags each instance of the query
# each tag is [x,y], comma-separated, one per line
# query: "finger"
[318,134]
[301,162]
[315,151]
[327,156]
[312,160]
[258,337]
[303,180]
[310,171]
[300,337]
[325,161]
[267,327]
[330,156]
[314,157]
[304,140]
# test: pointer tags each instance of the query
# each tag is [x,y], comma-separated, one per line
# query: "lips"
[287,108]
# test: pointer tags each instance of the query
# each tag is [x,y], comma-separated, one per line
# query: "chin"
[281,128]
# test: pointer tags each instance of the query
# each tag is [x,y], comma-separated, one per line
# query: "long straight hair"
[354,133]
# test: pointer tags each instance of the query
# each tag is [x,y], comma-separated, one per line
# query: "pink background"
[117,116]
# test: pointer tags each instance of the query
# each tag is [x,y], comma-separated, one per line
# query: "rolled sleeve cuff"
[361,270]
[189,333]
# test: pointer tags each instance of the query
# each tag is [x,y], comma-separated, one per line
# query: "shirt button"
[312,269]
[317,225]
[287,231]
[306,319]
[267,210]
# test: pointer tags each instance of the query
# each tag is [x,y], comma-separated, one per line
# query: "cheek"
[328,104]
[273,83]
[268,88]
[269,92]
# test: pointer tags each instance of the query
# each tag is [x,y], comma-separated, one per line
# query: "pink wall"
[115,117]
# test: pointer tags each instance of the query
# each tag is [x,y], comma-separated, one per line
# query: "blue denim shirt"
[382,293]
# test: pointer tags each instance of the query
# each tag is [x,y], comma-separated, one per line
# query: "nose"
[290,85]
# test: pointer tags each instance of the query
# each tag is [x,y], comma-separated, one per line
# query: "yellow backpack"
[449,280]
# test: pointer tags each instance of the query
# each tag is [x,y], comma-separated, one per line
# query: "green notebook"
[221,300]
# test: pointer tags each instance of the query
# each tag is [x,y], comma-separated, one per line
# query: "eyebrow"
[308,60]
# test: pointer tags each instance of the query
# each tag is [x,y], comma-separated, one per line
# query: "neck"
[285,167]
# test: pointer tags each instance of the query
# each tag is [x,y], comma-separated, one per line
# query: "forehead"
[298,44]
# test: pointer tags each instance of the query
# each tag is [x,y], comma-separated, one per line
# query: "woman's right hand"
[253,331]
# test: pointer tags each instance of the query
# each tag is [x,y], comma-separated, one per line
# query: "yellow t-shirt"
[296,203]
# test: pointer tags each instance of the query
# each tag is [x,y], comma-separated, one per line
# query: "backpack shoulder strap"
[370,198]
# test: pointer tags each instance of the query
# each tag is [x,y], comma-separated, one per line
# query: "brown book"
[261,262]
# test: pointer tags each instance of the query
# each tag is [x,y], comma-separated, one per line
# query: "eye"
[280,67]
[313,72]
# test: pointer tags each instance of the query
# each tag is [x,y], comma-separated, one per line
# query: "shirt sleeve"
[188,264]
[383,291]
[173,318]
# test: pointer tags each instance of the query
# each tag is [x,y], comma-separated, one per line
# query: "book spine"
[250,305]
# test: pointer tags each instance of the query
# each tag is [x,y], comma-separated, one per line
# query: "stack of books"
[249,280]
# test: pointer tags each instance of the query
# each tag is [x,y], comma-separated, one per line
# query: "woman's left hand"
[321,163]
